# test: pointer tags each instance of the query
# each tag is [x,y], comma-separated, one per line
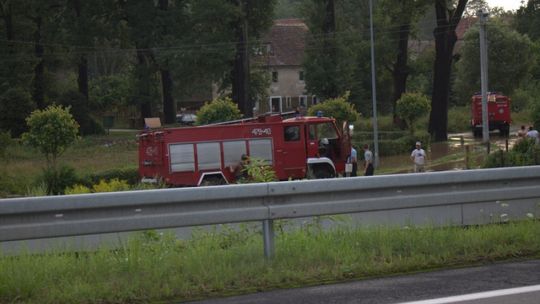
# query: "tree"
[511,58]
[51,131]
[219,110]
[339,108]
[403,15]
[329,61]
[15,105]
[448,18]
[527,19]
[412,106]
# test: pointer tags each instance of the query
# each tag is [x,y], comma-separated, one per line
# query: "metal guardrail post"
[268,238]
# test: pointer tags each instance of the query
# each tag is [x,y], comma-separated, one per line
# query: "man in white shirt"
[533,134]
[418,156]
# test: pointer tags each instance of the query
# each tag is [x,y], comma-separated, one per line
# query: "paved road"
[408,288]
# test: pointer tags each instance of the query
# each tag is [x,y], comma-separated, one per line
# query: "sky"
[506,4]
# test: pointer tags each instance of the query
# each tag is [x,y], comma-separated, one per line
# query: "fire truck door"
[312,144]
[292,155]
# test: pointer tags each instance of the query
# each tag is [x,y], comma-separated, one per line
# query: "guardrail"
[456,197]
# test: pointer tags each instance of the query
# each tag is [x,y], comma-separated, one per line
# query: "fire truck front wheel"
[321,171]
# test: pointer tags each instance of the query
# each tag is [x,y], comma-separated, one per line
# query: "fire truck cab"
[297,147]
[498,113]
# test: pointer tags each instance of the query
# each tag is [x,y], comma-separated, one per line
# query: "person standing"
[354,161]
[533,134]
[418,156]
[368,161]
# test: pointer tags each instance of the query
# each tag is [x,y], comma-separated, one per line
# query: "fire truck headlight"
[501,110]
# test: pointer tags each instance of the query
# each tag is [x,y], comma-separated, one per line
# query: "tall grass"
[153,267]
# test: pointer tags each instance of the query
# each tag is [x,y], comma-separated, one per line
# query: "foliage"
[15,105]
[524,153]
[511,58]
[77,189]
[158,267]
[5,142]
[411,106]
[535,114]
[51,131]
[56,180]
[219,110]
[459,119]
[111,186]
[78,106]
[109,93]
[259,171]
[130,175]
[527,19]
[339,108]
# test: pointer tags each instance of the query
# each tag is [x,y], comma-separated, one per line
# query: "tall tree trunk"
[240,72]
[329,29]
[400,71]
[82,79]
[38,83]
[169,106]
[445,40]
[143,84]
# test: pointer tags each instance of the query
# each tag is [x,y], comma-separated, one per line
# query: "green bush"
[51,131]
[524,153]
[459,119]
[110,186]
[219,110]
[77,189]
[15,105]
[411,106]
[130,175]
[57,180]
[259,171]
[339,108]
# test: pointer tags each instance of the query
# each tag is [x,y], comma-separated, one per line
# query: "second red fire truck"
[498,107]
[296,148]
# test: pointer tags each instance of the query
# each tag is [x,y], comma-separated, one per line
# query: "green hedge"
[130,174]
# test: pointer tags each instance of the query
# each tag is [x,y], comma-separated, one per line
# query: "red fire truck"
[296,147]
[498,113]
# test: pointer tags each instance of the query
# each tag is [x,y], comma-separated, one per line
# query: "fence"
[456,197]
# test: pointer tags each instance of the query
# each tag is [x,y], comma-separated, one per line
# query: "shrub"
[77,189]
[111,186]
[339,108]
[219,110]
[51,131]
[57,180]
[15,105]
[130,175]
[524,153]
[459,119]
[259,171]
[412,106]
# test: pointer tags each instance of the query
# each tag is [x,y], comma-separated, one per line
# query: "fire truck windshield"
[326,130]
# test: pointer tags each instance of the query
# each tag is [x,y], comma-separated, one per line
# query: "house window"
[301,75]
[274,77]
[288,102]
[303,100]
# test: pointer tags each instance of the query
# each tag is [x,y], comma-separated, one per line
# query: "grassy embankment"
[152,268]
[22,166]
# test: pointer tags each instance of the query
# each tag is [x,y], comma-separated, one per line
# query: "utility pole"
[483,14]
[374,91]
